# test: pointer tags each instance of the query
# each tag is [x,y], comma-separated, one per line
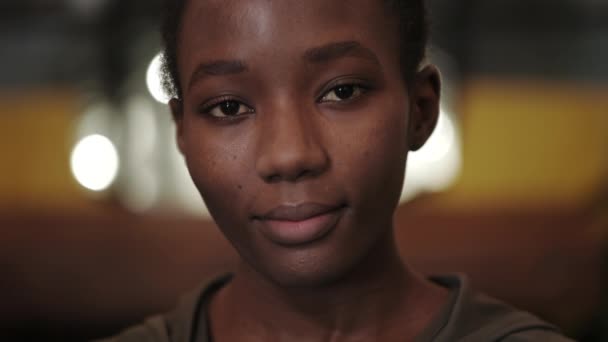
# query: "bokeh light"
[153,80]
[437,164]
[94,162]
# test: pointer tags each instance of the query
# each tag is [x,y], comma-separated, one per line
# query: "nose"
[289,148]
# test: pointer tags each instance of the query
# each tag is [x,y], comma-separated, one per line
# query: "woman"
[295,119]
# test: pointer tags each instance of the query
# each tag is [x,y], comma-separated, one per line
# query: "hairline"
[170,72]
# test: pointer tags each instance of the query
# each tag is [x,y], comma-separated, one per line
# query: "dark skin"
[274,115]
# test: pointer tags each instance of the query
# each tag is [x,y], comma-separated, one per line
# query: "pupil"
[344,92]
[230,107]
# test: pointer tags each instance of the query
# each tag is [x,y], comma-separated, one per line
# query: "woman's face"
[294,125]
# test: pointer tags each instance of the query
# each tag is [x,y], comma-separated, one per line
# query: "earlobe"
[177,111]
[425,106]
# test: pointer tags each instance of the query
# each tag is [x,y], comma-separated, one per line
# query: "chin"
[325,262]
[310,267]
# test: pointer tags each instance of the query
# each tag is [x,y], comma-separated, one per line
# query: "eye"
[226,109]
[343,92]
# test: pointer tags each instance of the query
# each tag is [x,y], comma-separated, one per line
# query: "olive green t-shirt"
[468,317]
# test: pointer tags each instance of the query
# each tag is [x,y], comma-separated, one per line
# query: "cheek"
[218,169]
[377,156]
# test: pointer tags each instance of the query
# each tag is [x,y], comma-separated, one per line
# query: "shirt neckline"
[201,326]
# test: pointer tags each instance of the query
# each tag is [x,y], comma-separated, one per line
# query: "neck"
[379,298]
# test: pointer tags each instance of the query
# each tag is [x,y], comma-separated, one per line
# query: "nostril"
[273,178]
[304,174]
[291,156]
[290,177]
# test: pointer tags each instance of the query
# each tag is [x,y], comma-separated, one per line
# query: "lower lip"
[293,233]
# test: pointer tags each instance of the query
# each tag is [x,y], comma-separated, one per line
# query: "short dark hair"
[413,26]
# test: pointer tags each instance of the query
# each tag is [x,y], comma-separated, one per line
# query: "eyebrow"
[217,68]
[316,55]
[337,50]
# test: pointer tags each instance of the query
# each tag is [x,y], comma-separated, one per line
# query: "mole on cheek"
[239,186]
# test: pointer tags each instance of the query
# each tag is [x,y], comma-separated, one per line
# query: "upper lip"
[299,212]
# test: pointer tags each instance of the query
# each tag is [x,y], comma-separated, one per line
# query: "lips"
[292,225]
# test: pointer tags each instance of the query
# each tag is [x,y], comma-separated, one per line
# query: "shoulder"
[180,324]
[536,335]
[153,329]
[476,317]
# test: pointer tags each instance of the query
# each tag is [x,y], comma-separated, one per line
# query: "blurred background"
[101,226]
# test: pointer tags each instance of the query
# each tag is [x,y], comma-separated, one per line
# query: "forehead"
[236,28]
[292,12]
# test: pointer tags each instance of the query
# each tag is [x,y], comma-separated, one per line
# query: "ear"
[426,89]
[177,111]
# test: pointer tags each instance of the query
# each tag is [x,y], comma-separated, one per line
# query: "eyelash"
[207,108]
[358,86]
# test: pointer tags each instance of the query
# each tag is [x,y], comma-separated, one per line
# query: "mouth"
[295,225]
